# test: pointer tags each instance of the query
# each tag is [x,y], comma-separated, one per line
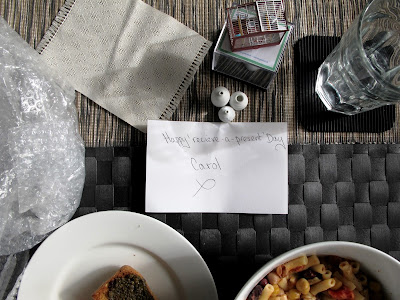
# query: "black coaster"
[309,54]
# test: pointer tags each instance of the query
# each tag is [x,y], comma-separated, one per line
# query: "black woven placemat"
[336,192]
[309,53]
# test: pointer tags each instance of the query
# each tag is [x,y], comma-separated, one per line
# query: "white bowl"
[378,264]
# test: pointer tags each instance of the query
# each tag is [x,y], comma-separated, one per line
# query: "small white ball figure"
[220,96]
[251,67]
[238,101]
[226,114]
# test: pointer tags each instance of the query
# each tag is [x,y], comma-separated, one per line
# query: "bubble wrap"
[42,157]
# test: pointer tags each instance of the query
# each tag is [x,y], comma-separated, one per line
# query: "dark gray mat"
[336,192]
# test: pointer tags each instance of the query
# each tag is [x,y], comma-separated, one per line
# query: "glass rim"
[377,75]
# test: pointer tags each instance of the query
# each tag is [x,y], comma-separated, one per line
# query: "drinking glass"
[363,71]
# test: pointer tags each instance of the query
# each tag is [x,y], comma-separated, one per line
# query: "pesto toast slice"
[127,283]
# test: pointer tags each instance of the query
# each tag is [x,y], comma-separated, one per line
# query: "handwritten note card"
[217,167]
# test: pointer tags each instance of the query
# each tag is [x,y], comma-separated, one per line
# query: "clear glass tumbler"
[363,71]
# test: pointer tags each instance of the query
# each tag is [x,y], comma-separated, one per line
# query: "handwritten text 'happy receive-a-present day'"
[189,141]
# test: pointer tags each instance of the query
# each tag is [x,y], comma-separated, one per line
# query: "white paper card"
[217,167]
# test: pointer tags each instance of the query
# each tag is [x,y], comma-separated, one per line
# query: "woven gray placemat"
[336,192]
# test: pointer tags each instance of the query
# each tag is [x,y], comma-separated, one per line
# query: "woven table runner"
[310,18]
[336,192]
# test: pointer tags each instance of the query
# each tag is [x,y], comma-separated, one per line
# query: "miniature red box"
[256,24]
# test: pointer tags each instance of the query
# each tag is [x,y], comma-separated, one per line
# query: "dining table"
[343,171]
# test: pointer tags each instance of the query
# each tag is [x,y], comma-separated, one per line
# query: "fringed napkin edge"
[55,25]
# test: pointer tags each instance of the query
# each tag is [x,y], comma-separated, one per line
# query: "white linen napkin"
[125,55]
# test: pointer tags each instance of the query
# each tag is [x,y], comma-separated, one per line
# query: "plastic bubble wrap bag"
[42,155]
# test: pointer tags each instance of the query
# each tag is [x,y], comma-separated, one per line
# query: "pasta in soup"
[318,278]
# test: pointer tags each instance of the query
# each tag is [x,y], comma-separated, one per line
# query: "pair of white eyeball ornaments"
[220,97]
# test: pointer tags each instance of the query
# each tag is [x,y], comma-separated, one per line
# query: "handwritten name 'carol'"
[212,164]
[200,166]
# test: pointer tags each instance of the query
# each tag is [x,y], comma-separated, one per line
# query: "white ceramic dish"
[78,257]
[382,266]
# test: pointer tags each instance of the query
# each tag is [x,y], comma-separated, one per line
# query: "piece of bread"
[118,284]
